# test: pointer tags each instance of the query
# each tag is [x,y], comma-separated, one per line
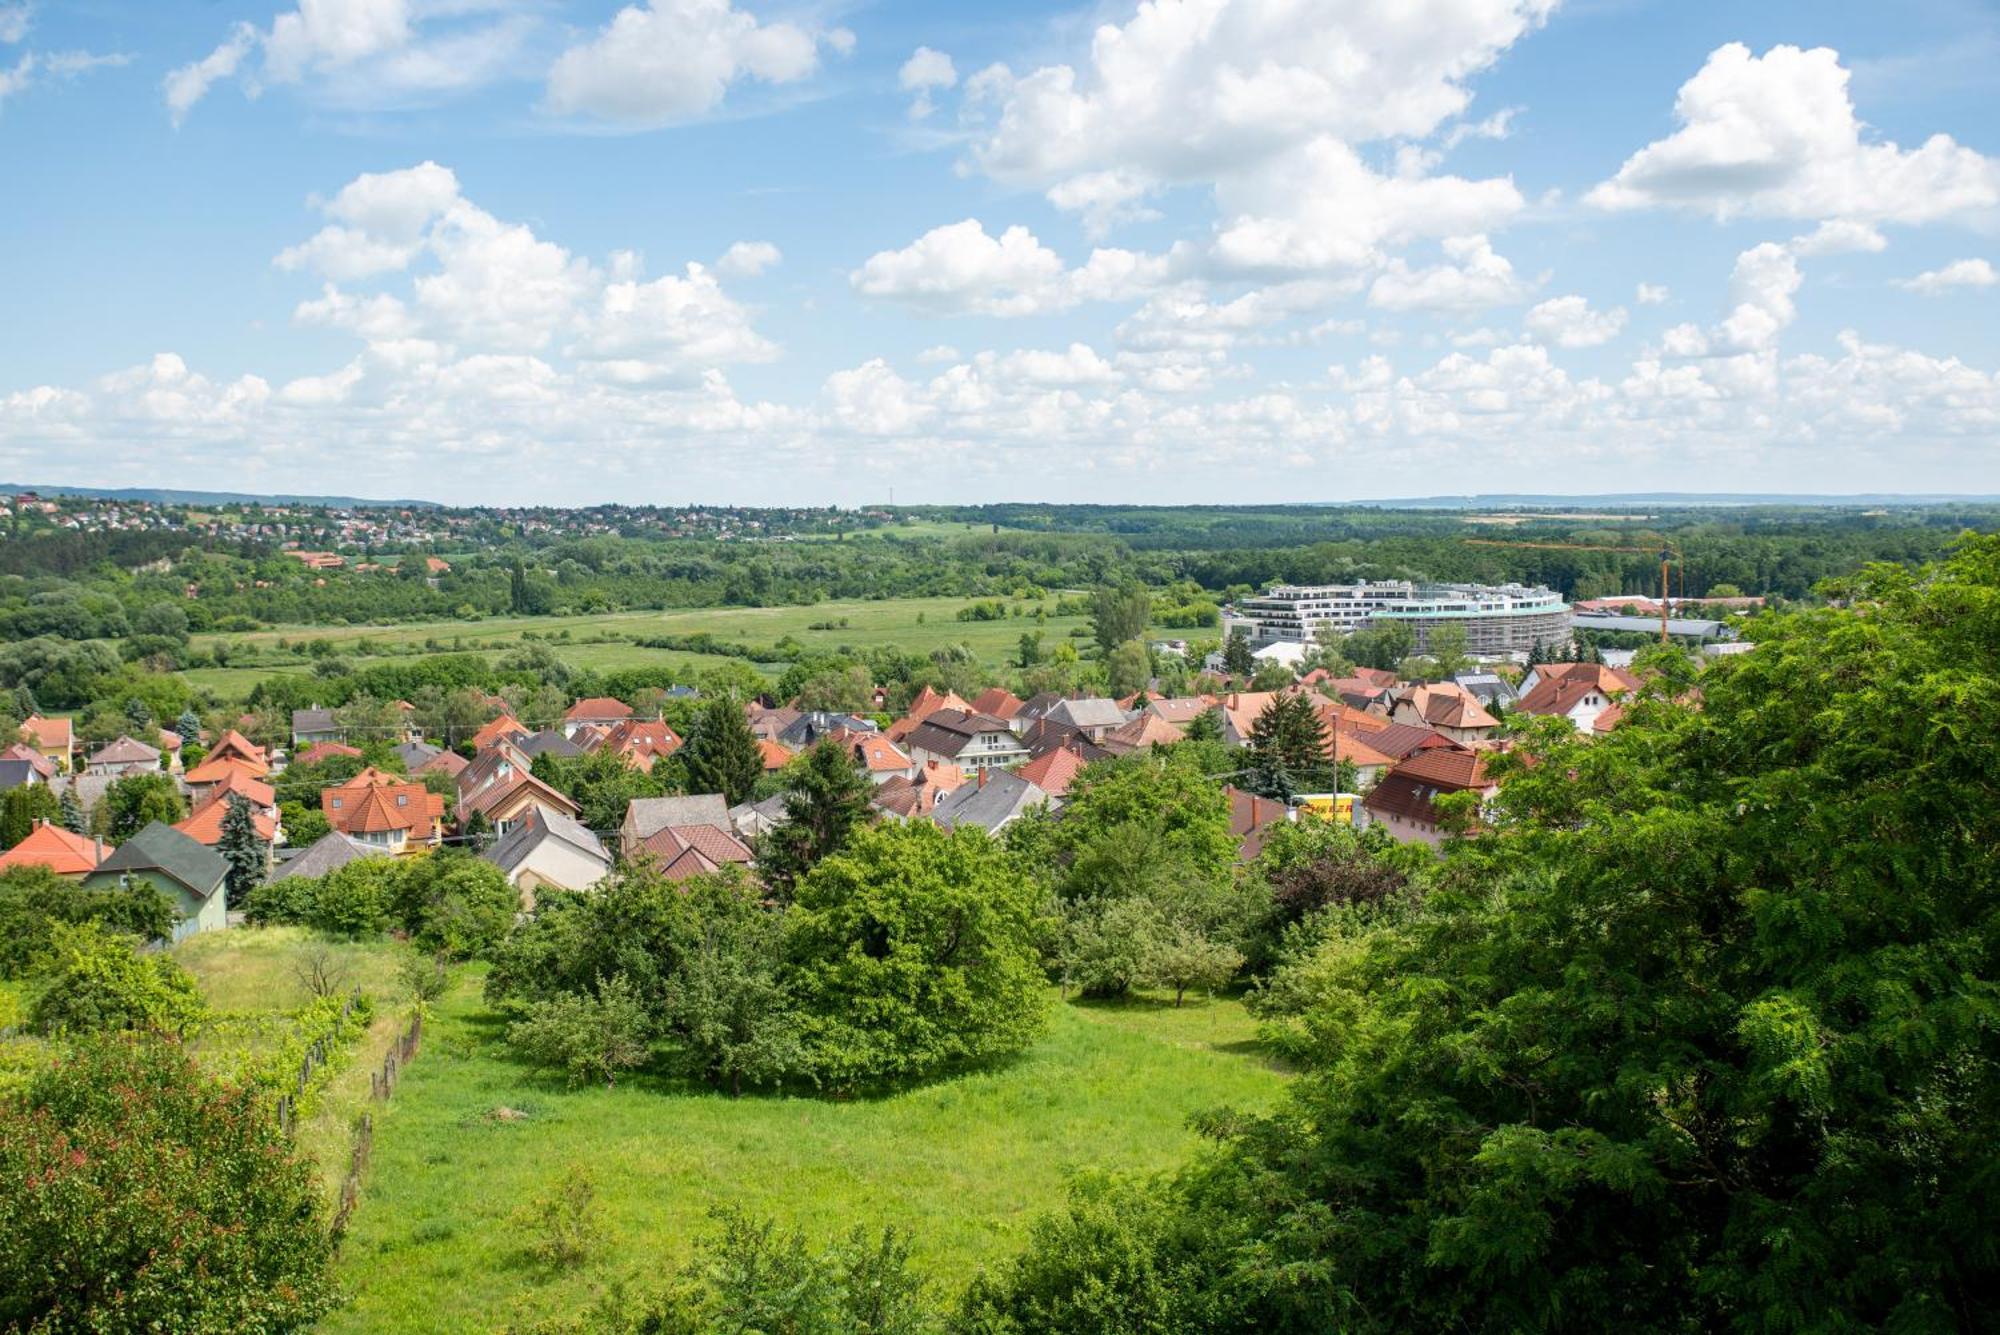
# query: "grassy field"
[604,641]
[250,972]
[963,1164]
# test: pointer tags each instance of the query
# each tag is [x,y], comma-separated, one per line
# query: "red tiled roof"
[374,803]
[22,751]
[1446,768]
[234,743]
[504,726]
[997,701]
[1446,704]
[50,733]
[875,753]
[598,708]
[1559,686]
[492,797]
[205,825]
[1053,771]
[1147,729]
[775,756]
[254,791]
[319,751]
[50,845]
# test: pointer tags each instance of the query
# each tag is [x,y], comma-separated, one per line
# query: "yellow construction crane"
[1668,555]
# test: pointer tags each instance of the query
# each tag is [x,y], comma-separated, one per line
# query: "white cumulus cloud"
[1958,274]
[1777,136]
[1570,322]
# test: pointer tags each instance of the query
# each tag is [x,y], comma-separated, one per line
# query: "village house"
[1584,693]
[545,851]
[993,800]
[193,877]
[647,816]
[54,738]
[122,757]
[314,725]
[505,802]
[970,741]
[1447,708]
[682,851]
[385,811]
[597,711]
[1403,803]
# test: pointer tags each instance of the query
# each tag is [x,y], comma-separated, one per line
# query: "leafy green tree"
[133,802]
[241,847]
[1129,668]
[913,951]
[587,1036]
[1206,726]
[302,824]
[1118,614]
[139,1193]
[600,782]
[1271,675]
[1446,645]
[749,1276]
[1106,943]
[93,981]
[721,756]
[1182,957]
[1799,1133]
[826,801]
[727,1005]
[452,903]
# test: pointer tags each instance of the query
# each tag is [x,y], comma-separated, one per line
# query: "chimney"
[983,769]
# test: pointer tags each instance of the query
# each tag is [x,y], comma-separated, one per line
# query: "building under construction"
[1498,618]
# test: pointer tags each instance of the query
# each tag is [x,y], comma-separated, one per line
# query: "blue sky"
[1197,250]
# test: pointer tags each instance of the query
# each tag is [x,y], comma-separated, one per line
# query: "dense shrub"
[588,1036]
[32,898]
[913,951]
[137,1193]
[93,980]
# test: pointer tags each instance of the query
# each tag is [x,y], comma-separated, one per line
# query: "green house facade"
[188,872]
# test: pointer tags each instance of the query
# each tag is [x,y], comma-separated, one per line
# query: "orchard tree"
[137,1192]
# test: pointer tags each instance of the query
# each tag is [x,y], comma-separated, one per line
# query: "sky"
[1210,251]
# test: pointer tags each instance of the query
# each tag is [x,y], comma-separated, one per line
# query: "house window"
[402,799]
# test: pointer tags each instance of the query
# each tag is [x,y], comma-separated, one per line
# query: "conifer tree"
[721,756]
[241,848]
[826,803]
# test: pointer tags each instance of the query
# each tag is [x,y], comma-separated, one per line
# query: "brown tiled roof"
[1181,710]
[125,751]
[1407,790]
[41,764]
[927,703]
[1401,739]
[496,795]
[717,846]
[1145,730]
[446,762]
[1558,686]
[766,724]
[948,731]
[1446,767]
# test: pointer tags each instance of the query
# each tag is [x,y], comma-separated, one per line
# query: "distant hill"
[1503,500]
[169,496]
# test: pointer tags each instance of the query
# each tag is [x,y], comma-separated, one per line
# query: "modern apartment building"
[1503,618]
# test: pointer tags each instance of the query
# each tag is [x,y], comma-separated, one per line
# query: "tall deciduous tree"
[137,800]
[1118,614]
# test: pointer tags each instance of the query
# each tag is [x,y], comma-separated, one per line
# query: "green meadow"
[961,1165]
[606,641]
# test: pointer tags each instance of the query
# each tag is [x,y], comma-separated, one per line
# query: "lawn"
[915,624]
[962,1165]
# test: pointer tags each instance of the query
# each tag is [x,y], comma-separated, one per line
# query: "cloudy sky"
[1187,250]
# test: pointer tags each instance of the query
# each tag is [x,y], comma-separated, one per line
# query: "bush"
[93,981]
[32,898]
[913,951]
[138,1193]
[561,1225]
[454,904]
[588,1037]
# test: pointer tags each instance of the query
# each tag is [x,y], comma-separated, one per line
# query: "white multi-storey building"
[1502,618]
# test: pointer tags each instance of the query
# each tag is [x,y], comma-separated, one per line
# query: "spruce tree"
[188,725]
[827,802]
[241,848]
[72,812]
[722,756]
[1288,741]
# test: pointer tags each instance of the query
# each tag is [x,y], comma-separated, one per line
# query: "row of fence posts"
[314,1058]
[381,1084]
